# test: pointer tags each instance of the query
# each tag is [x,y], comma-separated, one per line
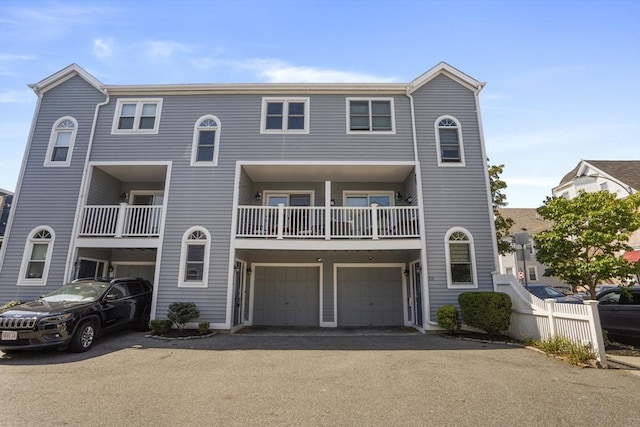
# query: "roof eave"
[64,75]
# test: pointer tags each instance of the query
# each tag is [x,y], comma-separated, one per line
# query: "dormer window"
[137,116]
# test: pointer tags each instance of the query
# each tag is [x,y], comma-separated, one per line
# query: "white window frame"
[364,193]
[534,270]
[460,163]
[285,115]
[204,283]
[54,138]
[138,113]
[371,131]
[32,240]
[196,140]
[472,253]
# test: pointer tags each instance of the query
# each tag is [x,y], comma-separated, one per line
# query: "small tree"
[582,246]
[499,200]
[182,312]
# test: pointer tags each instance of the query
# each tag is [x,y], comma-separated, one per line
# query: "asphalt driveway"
[406,379]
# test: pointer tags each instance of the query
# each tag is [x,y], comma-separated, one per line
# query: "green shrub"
[182,312]
[203,328]
[489,311]
[8,305]
[160,326]
[448,318]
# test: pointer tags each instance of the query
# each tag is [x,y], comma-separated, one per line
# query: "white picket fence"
[534,318]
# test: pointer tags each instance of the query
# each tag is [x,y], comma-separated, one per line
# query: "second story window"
[205,141]
[370,115]
[137,116]
[63,137]
[285,115]
[449,141]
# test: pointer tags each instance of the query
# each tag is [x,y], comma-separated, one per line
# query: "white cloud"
[103,48]
[276,71]
[163,49]
[14,96]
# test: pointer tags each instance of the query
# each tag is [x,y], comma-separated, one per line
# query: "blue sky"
[563,77]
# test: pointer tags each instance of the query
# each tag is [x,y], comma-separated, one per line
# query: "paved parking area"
[261,379]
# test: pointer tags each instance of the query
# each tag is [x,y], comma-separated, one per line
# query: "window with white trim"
[285,115]
[532,273]
[194,259]
[61,142]
[449,141]
[36,258]
[460,256]
[370,115]
[206,138]
[137,116]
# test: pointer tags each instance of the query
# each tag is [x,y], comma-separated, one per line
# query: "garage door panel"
[370,296]
[287,296]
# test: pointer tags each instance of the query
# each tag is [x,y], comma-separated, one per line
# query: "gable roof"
[625,171]
[64,75]
[449,71]
[525,219]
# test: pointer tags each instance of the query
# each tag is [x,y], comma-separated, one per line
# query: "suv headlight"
[58,318]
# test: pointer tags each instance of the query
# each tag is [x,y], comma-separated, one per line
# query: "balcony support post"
[120,220]
[327,210]
[280,221]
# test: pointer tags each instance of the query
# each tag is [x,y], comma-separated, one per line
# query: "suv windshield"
[81,291]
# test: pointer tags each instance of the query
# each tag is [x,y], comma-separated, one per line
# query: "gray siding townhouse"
[265,204]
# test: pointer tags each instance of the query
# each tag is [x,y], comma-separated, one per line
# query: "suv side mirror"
[110,297]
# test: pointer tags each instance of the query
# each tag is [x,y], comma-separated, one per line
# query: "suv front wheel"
[83,338]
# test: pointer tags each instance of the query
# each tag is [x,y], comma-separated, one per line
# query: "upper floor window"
[61,141]
[449,142]
[137,116]
[460,255]
[285,115]
[194,259]
[206,137]
[370,115]
[37,257]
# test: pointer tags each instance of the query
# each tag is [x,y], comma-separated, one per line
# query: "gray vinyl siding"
[453,196]
[104,189]
[49,195]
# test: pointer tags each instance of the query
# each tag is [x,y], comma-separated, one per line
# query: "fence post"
[595,330]
[551,307]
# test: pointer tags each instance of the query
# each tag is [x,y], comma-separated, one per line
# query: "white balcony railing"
[285,222]
[121,221]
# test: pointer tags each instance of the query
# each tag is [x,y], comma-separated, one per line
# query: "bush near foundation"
[448,318]
[489,311]
[180,313]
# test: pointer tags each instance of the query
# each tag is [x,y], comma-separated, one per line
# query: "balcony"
[293,222]
[122,220]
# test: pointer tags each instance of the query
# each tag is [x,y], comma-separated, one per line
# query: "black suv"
[76,313]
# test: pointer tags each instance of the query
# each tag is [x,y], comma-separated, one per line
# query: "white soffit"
[315,173]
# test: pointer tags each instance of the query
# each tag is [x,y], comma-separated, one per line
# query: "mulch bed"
[182,334]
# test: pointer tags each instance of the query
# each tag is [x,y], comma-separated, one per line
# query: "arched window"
[36,258]
[206,137]
[449,142]
[460,254]
[194,259]
[61,141]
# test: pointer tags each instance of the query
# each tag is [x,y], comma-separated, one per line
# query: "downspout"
[492,221]
[426,305]
[83,188]
[23,167]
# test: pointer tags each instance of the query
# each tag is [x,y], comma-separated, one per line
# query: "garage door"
[370,296]
[286,296]
[143,271]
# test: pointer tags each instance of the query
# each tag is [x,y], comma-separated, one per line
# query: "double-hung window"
[194,259]
[61,141]
[449,141]
[370,115]
[285,115]
[37,257]
[460,255]
[137,116]
[206,138]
